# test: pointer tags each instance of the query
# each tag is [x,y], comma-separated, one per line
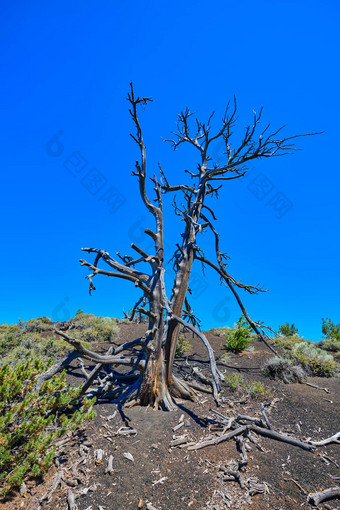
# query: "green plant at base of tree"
[31,421]
[237,339]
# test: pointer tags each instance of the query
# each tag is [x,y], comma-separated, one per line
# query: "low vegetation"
[36,339]
[314,360]
[31,421]
[310,356]
[255,389]
[90,328]
[31,339]
[284,370]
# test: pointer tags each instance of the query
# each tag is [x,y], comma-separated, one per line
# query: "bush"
[254,388]
[17,346]
[31,421]
[330,344]
[38,325]
[183,346]
[89,328]
[287,330]
[234,381]
[237,339]
[314,359]
[35,338]
[10,337]
[287,343]
[284,370]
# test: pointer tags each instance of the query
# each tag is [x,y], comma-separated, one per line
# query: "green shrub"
[89,328]
[183,346]
[314,359]
[237,339]
[38,325]
[330,344]
[31,345]
[287,330]
[255,389]
[287,343]
[31,421]
[234,381]
[35,338]
[10,337]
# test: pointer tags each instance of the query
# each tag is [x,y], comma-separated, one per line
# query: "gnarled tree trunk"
[151,380]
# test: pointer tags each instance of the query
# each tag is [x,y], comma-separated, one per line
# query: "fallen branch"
[137,362]
[318,497]
[297,484]
[58,367]
[328,440]
[280,437]
[317,387]
[220,439]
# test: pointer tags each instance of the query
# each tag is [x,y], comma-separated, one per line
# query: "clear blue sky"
[66,68]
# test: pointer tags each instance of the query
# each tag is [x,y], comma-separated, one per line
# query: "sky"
[66,69]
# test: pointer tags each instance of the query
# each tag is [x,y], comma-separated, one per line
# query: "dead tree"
[151,380]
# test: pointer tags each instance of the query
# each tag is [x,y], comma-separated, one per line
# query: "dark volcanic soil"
[177,479]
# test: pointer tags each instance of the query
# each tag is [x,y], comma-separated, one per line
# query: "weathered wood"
[58,367]
[219,439]
[99,456]
[316,387]
[109,468]
[47,496]
[318,497]
[328,440]
[71,500]
[281,437]
[265,417]
[157,384]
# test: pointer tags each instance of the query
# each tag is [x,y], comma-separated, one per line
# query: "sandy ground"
[177,479]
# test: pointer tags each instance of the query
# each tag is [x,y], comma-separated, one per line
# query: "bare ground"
[177,479]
